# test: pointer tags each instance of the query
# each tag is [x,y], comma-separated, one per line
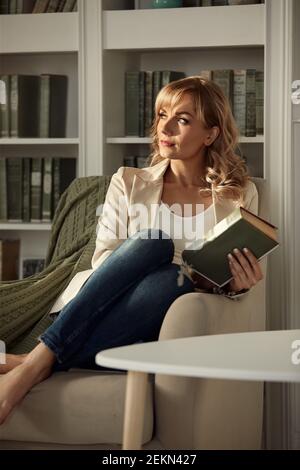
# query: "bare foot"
[16,384]
[19,381]
[12,361]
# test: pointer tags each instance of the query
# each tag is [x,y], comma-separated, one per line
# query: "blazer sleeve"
[113,220]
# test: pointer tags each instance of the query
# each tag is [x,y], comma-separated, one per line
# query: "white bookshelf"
[23,226]
[36,44]
[180,39]
[184,27]
[34,33]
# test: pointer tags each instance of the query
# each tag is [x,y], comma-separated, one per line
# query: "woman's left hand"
[245,269]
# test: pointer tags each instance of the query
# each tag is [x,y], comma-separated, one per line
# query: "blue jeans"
[123,302]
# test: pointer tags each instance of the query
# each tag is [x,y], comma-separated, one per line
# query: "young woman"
[134,277]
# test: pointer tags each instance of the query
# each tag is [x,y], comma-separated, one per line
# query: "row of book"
[30,188]
[12,7]
[10,262]
[243,87]
[136,161]
[33,105]
[141,89]
[146,4]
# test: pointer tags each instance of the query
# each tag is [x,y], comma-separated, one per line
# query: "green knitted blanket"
[25,304]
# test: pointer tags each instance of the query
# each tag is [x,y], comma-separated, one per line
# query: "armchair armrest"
[210,413]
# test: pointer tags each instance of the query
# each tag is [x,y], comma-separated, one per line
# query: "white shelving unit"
[95,47]
[183,39]
[36,44]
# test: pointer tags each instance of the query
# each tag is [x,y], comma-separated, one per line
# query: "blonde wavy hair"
[226,172]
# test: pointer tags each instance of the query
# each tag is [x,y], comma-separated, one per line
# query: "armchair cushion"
[83,407]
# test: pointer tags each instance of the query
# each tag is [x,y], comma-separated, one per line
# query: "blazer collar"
[147,188]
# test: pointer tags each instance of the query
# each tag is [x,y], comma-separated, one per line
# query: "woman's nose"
[167,127]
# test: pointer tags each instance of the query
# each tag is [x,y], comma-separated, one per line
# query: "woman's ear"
[213,134]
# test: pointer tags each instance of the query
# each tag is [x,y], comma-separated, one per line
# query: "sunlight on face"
[181,135]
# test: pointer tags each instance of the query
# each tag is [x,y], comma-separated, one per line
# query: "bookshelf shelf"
[12,141]
[47,32]
[22,226]
[146,140]
[184,28]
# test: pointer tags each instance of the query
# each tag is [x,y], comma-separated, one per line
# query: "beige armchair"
[84,409]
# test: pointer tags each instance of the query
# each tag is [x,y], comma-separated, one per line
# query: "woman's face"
[181,134]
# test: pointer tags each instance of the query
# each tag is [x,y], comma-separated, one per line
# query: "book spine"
[47,190]
[132,103]
[44,106]
[26,189]
[12,7]
[24,105]
[36,189]
[129,160]
[15,189]
[58,105]
[40,6]
[239,99]
[156,86]
[251,103]
[224,78]
[259,102]
[68,6]
[14,98]
[3,190]
[5,107]
[53,5]
[142,79]
[148,101]
[4,7]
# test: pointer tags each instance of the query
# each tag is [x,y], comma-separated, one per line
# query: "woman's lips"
[166,144]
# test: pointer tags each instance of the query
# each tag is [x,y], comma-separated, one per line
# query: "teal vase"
[167,3]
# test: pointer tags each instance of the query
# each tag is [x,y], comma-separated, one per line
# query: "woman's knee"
[155,238]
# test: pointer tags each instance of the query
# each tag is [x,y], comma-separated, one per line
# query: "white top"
[186,231]
[264,355]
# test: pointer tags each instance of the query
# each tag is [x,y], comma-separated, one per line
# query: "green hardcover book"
[239,99]
[5,106]
[14,180]
[224,78]
[47,190]
[148,101]
[3,193]
[12,7]
[26,188]
[169,76]
[52,105]
[40,6]
[36,189]
[132,103]
[68,6]
[52,6]
[142,86]
[251,103]
[64,172]
[24,100]
[259,102]
[240,229]
[4,7]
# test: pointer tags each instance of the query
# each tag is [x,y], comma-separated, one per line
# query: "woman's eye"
[181,120]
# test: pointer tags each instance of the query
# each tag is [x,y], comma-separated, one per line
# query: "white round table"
[261,356]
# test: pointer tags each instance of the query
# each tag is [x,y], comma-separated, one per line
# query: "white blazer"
[136,186]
